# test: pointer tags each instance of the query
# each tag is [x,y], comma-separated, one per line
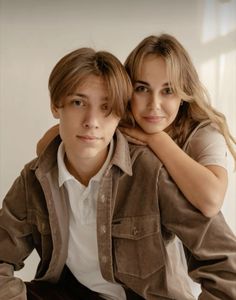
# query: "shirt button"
[103,229]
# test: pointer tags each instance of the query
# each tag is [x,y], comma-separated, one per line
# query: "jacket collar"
[121,157]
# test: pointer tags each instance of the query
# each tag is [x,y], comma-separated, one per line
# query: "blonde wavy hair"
[185,83]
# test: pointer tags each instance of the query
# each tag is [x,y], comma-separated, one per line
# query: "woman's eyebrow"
[141,82]
[166,84]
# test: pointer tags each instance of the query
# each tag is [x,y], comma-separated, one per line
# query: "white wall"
[35,34]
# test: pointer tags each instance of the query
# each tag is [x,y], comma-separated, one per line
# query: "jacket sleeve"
[11,288]
[210,245]
[15,241]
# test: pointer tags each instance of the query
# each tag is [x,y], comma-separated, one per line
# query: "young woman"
[171,113]
[171,108]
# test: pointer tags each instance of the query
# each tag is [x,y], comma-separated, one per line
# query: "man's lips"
[88,138]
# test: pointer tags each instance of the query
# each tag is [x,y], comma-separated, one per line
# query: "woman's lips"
[153,119]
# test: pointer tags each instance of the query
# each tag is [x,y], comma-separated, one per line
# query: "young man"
[100,229]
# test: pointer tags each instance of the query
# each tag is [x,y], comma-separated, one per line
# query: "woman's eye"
[141,89]
[168,91]
[105,107]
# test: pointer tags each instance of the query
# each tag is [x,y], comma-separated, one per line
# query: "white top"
[207,146]
[82,257]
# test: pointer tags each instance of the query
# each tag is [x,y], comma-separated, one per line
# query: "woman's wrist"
[156,138]
[162,145]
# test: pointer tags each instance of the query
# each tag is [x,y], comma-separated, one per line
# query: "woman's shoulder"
[205,132]
[207,145]
[205,129]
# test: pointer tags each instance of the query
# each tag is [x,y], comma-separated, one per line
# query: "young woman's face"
[154,105]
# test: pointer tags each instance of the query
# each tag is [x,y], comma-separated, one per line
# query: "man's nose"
[91,119]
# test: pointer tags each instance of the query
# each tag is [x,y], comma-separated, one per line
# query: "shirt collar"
[64,175]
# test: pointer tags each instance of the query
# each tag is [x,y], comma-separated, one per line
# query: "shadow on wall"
[217,54]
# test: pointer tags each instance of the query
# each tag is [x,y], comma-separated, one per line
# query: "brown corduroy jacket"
[141,209]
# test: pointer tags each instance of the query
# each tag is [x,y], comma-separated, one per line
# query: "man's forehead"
[94,80]
[91,86]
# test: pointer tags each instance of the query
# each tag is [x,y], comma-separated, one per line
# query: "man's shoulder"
[45,161]
[143,156]
[31,165]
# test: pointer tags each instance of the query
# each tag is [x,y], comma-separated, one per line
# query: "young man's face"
[86,128]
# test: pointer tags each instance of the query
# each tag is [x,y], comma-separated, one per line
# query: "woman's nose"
[155,101]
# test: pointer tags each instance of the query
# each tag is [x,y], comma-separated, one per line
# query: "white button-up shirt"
[82,257]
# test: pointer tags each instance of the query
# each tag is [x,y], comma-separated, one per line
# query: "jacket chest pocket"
[138,248]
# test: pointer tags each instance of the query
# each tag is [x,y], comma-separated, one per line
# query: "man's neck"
[84,170]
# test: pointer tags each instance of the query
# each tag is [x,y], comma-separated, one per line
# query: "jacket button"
[104,259]
[135,231]
[103,229]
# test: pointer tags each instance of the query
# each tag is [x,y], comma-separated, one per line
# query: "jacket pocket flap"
[136,227]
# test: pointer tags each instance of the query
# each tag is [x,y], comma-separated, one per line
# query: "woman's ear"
[55,111]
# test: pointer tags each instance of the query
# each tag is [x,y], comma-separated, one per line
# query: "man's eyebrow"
[85,96]
[78,95]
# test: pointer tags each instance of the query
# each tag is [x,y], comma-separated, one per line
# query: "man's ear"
[55,111]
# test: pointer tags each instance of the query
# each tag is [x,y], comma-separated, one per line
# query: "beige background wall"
[35,34]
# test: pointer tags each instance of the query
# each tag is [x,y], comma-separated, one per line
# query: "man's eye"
[77,102]
[141,89]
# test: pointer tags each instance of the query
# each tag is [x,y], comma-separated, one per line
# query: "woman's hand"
[135,135]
